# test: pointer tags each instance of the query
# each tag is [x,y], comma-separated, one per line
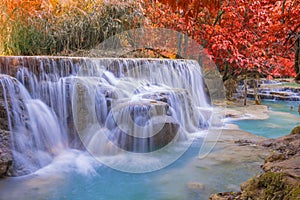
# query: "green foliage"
[58,28]
[22,40]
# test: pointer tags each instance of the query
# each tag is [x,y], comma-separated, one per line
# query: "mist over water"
[109,107]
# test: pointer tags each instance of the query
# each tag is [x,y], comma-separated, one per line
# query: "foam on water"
[70,161]
[70,103]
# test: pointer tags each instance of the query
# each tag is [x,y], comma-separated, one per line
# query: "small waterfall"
[105,105]
[36,135]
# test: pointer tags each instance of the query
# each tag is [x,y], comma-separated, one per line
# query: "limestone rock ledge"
[281,176]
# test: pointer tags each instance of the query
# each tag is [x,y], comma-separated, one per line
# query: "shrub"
[56,27]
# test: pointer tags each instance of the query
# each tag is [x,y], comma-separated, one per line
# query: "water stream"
[112,129]
[109,106]
[36,135]
[283,117]
[85,125]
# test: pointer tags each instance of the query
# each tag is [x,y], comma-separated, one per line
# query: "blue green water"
[75,175]
[283,118]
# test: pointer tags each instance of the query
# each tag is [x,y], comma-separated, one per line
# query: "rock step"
[276,96]
[65,66]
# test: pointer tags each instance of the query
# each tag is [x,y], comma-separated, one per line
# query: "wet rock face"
[128,142]
[5,153]
[9,117]
[3,115]
[180,100]
[148,126]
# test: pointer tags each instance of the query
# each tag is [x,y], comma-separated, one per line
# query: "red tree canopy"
[248,36]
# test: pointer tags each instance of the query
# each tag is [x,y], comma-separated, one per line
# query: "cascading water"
[114,105]
[36,135]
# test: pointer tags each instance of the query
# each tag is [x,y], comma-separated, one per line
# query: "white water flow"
[36,135]
[113,105]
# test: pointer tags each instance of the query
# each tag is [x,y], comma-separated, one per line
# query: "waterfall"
[104,105]
[36,135]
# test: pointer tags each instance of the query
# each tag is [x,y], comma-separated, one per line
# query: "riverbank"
[280,178]
[236,110]
[280,175]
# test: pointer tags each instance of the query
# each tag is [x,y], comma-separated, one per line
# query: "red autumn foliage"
[247,35]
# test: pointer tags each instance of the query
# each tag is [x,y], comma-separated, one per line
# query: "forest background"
[253,38]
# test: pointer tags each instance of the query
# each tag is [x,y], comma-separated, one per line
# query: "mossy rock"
[271,185]
[296,130]
[294,193]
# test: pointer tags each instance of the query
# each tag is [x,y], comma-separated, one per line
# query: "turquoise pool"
[283,118]
[75,175]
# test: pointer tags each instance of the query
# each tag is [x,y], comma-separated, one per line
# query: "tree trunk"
[225,76]
[179,45]
[245,91]
[256,97]
[186,44]
[297,57]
